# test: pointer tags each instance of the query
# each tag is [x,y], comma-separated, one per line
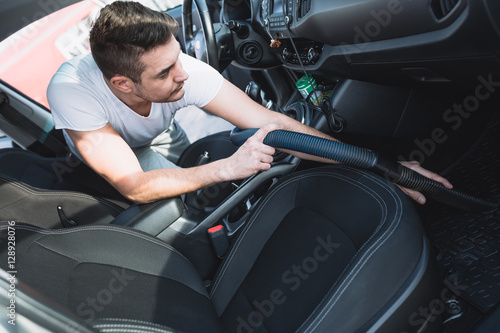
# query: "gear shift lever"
[254,91]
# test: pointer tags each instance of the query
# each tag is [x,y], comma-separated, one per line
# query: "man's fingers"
[267,159]
[260,135]
[415,166]
[415,195]
[268,150]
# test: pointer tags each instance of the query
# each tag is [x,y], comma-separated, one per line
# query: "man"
[115,104]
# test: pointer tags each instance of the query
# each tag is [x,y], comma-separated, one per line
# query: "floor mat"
[468,244]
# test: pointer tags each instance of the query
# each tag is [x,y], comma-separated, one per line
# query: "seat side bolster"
[246,249]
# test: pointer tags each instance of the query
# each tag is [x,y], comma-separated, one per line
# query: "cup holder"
[237,213]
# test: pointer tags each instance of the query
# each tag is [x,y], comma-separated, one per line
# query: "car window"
[30,57]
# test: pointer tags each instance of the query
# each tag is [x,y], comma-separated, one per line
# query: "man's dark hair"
[123,32]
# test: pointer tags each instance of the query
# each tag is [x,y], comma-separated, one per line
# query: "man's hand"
[415,195]
[253,156]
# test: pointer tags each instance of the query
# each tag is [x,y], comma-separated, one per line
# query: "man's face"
[163,79]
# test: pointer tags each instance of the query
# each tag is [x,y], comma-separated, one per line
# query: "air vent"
[442,8]
[304,7]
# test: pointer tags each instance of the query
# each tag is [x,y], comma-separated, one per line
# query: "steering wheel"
[203,45]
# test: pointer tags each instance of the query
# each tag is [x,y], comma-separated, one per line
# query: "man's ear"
[122,83]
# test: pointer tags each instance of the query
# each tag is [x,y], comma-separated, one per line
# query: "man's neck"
[135,103]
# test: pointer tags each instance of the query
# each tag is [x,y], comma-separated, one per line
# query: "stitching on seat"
[110,264]
[254,217]
[130,326]
[383,206]
[345,178]
[44,192]
[97,227]
[245,231]
[362,261]
[256,214]
[129,323]
[106,228]
[137,329]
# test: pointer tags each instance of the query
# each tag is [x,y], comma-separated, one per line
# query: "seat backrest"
[32,187]
[326,250]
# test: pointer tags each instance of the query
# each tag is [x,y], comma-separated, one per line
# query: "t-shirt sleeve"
[73,105]
[204,81]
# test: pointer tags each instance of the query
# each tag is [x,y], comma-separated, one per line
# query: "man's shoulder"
[198,92]
[76,84]
[80,68]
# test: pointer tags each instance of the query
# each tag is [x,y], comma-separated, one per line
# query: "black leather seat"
[327,250]
[32,187]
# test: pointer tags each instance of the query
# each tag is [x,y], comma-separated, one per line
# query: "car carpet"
[467,244]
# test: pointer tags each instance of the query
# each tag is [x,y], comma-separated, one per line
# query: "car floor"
[467,244]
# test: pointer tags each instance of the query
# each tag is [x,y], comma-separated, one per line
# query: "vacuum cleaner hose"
[367,159]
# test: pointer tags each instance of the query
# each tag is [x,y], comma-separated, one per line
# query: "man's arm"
[110,156]
[236,107]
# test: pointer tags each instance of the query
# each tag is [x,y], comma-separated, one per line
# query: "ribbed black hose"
[313,145]
[401,175]
[367,159]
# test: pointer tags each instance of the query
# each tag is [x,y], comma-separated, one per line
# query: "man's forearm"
[143,187]
[150,186]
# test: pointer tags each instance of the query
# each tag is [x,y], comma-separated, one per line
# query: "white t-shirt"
[80,100]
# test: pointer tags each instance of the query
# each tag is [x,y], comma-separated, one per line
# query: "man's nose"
[181,75]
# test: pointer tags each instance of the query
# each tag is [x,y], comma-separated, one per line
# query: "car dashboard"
[383,41]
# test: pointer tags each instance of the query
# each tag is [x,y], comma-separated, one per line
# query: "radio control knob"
[286,53]
[312,55]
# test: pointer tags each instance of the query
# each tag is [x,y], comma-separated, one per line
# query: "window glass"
[30,57]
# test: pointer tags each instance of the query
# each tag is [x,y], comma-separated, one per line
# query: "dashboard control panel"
[309,53]
[277,14]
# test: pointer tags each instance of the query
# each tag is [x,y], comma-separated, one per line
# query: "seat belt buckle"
[219,240]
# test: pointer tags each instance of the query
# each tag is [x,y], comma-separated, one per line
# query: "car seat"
[332,249]
[52,191]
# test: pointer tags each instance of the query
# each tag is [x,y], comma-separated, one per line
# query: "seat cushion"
[320,244]
[32,187]
[113,272]
[56,173]
[21,202]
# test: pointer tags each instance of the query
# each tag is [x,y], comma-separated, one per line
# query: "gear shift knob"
[254,91]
